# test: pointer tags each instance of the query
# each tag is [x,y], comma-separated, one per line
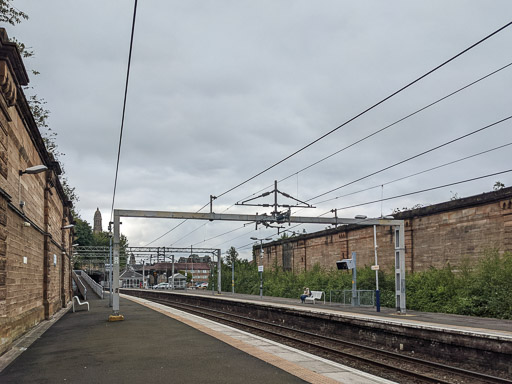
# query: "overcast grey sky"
[220,90]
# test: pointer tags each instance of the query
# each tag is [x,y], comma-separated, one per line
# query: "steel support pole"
[212,274]
[219,268]
[355,301]
[377,292]
[115,302]
[172,278]
[110,270]
[261,273]
[400,268]
[232,276]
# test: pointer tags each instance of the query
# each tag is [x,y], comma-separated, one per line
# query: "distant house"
[180,281]
[130,279]
[200,271]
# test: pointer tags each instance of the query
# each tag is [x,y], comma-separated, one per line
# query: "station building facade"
[435,236]
[35,214]
[160,272]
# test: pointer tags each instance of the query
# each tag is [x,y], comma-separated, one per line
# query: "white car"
[161,286]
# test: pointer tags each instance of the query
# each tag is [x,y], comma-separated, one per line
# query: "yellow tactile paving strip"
[285,365]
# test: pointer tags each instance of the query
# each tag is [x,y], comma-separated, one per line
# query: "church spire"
[97,222]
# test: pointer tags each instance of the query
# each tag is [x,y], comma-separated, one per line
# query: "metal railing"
[80,284]
[97,288]
[363,297]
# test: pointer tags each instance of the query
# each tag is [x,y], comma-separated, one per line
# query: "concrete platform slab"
[160,345]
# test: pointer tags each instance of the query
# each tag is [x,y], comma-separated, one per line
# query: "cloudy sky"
[221,90]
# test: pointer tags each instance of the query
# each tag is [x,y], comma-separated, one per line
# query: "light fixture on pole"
[69,226]
[30,170]
[260,267]
[261,243]
[33,170]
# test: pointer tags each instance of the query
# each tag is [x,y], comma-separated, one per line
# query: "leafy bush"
[483,289]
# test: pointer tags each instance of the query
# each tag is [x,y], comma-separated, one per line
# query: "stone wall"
[34,247]
[435,236]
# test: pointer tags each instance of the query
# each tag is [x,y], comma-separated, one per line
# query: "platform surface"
[158,344]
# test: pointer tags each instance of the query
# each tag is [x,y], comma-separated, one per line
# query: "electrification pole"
[377,292]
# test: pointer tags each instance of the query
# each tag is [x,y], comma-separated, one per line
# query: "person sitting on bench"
[306,293]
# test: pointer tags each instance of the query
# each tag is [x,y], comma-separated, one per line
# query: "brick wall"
[435,236]
[32,286]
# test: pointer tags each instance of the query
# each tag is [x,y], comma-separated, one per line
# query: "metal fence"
[80,285]
[98,289]
[363,297]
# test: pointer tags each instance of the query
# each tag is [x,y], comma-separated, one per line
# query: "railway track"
[387,364]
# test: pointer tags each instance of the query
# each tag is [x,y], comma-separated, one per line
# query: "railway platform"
[159,344]
[441,321]
[481,345]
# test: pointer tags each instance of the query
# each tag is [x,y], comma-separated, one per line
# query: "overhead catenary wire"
[217,236]
[366,110]
[387,127]
[426,189]
[367,137]
[416,173]
[399,121]
[349,120]
[413,157]
[386,183]
[407,194]
[124,109]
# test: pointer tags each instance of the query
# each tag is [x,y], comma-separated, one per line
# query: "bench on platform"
[315,295]
[79,303]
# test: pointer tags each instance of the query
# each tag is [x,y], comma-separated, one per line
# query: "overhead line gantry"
[259,218]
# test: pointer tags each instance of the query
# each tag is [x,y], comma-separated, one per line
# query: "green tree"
[498,185]
[84,236]
[188,275]
[83,232]
[12,15]
[231,256]
[9,14]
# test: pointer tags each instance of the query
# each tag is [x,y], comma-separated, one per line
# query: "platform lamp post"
[260,267]
[232,275]
[110,263]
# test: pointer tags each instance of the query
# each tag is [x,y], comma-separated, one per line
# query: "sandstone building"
[35,217]
[435,236]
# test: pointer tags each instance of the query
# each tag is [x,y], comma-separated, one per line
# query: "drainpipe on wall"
[46,245]
[64,255]
[70,268]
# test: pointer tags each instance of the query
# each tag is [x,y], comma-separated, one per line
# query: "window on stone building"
[287,257]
